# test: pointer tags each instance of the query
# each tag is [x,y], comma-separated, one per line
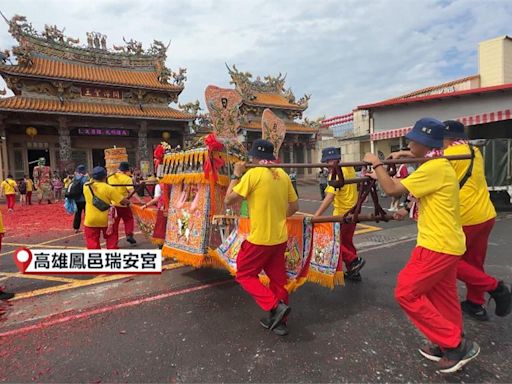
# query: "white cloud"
[345,53]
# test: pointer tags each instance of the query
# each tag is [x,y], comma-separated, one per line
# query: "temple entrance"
[98,157]
[34,155]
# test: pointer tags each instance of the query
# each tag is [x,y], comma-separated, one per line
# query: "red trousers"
[348,251]
[471,266]
[427,292]
[125,213]
[11,199]
[29,197]
[92,238]
[251,260]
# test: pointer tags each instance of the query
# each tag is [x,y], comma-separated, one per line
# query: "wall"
[393,117]
[495,61]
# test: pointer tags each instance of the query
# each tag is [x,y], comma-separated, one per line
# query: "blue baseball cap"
[124,166]
[99,173]
[330,153]
[454,130]
[262,149]
[81,169]
[428,132]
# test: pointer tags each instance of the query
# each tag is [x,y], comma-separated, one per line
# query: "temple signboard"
[104,93]
[103,132]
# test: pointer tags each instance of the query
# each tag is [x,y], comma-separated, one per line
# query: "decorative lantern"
[166,135]
[31,131]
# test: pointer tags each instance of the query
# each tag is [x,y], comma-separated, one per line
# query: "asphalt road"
[25,286]
[200,326]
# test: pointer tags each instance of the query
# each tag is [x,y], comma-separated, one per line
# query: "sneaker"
[281,329]
[131,240]
[476,311]
[355,266]
[455,358]
[278,313]
[431,352]
[6,295]
[503,299]
[356,277]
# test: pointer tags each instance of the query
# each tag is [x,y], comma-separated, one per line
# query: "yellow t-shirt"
[93,216]
[346,197]
[30,185]
[121,178]
[8,186]
[67,181]
[267,197]
[475,203]
[436,186]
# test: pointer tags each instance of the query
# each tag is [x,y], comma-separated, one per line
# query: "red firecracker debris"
[29,220]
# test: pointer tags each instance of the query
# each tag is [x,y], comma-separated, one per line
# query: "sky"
[344,53]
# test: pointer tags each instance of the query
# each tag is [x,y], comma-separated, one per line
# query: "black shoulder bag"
[97,202]
[470,168]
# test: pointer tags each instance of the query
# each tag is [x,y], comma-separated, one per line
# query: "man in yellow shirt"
[478,216]
[344,199]
[9,190]
[124,212]
[30,189]
[96,220]
[271,199]
[426,287]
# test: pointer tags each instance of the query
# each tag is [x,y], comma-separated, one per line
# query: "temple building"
[257,95]
[72,101]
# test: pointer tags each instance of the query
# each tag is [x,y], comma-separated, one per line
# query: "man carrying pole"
[122,176]
[271,199]
[478,217]
[344,199]
[426,287]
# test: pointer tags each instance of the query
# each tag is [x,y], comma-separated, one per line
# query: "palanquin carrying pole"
[403,160]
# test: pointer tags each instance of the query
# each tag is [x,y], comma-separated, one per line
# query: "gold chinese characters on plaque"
[104,93]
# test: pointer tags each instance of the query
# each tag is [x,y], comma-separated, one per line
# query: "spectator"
[151,185]
[79,180]
[401,173]
[22,187]
[57,186]
[322,178]
[293,178]
[67,181]
[136,180]
[9,188]
[30,187]
[97,212]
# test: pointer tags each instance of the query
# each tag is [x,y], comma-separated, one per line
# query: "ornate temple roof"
[42,105]
[269,92]
[272,100]
[63,70]
[52,55]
